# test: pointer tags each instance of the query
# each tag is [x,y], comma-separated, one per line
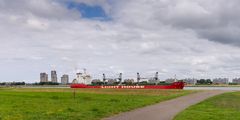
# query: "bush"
[47,83]
[233,84]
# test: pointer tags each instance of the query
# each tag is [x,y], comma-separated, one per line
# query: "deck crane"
[155,78]
[138,78]
[104,79]
[119,78]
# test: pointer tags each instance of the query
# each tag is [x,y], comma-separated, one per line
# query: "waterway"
[212,88]
[185,88]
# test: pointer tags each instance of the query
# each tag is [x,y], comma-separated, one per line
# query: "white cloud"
[33,23]
[143,36]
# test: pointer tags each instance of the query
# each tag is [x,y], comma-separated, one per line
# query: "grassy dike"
[222,107]
[89,104]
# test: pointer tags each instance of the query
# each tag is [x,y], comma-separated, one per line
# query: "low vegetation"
[88,104]
[221,107]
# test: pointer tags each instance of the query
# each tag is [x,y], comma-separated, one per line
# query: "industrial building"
[43,77]
[65,79]
[236,80]
[190,81]
[54,76]
[220,81]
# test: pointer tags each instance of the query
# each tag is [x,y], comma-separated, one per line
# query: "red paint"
[175,85]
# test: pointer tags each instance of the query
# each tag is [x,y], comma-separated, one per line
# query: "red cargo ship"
[175,85]
[138,85]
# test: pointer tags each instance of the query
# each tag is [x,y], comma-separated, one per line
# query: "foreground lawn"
[89,104]
[221,107]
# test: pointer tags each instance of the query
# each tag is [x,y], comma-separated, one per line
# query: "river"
[212,88]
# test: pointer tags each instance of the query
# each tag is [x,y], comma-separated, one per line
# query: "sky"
[192,39]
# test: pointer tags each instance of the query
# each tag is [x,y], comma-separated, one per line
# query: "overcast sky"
[189,38]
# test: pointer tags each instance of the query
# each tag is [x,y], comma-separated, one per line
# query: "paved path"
[165,110]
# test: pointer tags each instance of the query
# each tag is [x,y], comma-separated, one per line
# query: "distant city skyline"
[79,74]
[85,78]
[188,38]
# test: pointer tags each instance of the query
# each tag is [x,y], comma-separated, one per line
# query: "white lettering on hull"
[125,87]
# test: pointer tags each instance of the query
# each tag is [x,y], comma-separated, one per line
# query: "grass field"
[221,107]
[89,104]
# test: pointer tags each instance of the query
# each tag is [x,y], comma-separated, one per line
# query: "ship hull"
[175,85]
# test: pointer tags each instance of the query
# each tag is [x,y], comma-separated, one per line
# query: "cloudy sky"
[190,38]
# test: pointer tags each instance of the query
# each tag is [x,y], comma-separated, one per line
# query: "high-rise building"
[54,76]
[43,77]
[64,79]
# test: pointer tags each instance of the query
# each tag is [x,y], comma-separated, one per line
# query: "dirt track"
[165,110]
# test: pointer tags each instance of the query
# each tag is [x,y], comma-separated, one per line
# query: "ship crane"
[154,78]
[139,78]
[119,78]
[104,78]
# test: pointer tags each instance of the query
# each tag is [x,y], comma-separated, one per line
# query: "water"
[185,88]
[212,88]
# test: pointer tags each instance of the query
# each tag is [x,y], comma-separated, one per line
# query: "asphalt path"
[168,109]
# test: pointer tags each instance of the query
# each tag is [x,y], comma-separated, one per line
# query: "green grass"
[222,107]
[89,104]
